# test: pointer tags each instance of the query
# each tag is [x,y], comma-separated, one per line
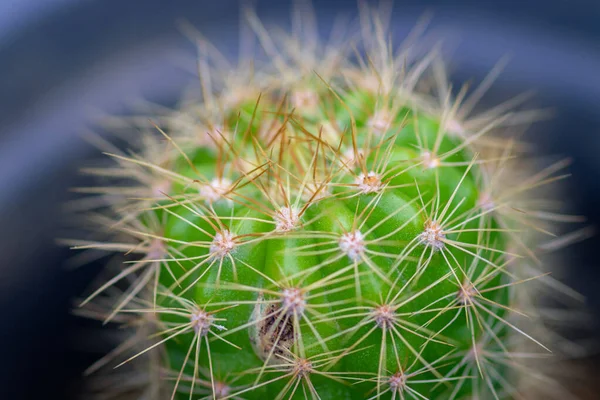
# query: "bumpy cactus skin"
[319,227]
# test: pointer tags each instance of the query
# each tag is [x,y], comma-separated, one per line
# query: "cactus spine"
[323,226]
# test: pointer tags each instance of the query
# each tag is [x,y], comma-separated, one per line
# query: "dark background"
[63,61]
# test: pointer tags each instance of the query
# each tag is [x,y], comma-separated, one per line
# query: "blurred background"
[64,61]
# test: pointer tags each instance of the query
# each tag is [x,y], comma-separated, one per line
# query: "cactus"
[324,225]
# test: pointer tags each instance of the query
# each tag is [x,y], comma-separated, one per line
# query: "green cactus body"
[358,268]
[327,239]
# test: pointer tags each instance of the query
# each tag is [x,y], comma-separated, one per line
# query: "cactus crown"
[324,226]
